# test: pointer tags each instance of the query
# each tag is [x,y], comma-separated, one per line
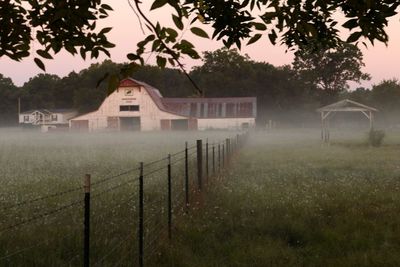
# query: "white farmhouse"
[136,105]
[47,117]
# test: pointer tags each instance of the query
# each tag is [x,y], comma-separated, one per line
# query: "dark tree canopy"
[71,25]
[55,24]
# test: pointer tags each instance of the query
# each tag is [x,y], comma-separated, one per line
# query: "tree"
[386,95]
[9,94]
[55,24]
[71,25]
[330,69]
[39,92]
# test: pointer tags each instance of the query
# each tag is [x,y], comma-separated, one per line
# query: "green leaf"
[350,24]
[44,54]
[259,26]
[105,30]
[107,7]
[354,37]
[178,22]
[254,39]
[158,3]
[161,61]
[39,63]
[132,56]
[272,37]
[199,32]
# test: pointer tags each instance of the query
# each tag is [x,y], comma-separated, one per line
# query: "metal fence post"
[219,157]
[213,159]
[228,152]
[169,199]
[86,245]
[186,176]
[141,225]
[199,163]
[207,174]
[223,156]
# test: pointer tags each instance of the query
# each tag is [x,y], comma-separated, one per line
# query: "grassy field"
[33,165]
[290,201]
[286,200]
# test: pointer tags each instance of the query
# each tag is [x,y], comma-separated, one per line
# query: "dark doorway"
[129,123]
[179,125]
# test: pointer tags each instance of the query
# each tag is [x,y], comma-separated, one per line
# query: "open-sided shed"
[345,105]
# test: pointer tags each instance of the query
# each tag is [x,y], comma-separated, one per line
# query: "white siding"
[224,123]
[150,115]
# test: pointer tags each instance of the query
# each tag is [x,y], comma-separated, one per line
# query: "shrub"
[375,137]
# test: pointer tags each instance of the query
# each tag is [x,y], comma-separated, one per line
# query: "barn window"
[53,117]
[230,110]
[212,110]
[201,110]
[129,108]
[193,109]
[26,118]
[245,109]
[219,112]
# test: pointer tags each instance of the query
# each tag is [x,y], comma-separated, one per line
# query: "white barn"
[136,105]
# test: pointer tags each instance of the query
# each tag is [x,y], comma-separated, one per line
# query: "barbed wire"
[114,176]
[15,253]
[30,201]
[40,216]
[136,179]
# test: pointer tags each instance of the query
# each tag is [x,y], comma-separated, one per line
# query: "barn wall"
[150,115]
[224,123]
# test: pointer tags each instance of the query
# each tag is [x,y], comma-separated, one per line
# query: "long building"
[136,105]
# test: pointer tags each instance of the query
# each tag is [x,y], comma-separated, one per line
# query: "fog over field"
[285,198]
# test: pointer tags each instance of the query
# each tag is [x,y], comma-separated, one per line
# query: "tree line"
[289,94]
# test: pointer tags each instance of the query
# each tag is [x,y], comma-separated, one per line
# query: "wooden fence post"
[86,245]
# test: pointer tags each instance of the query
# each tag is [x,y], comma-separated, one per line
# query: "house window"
[53,117]
[129,92]
[129,108]
[26,118]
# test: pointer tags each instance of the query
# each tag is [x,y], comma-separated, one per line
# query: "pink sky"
[381,62]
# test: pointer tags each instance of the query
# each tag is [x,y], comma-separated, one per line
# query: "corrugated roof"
[49,111]
[346,105]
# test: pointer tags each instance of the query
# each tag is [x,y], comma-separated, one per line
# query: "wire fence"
[136,220]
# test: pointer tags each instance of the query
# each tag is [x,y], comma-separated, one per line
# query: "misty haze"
[199,133]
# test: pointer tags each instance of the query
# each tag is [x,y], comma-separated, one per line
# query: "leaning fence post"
[169,199]
[207,174]
[86,245]
[141,209]
[186,176]
[199,163]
